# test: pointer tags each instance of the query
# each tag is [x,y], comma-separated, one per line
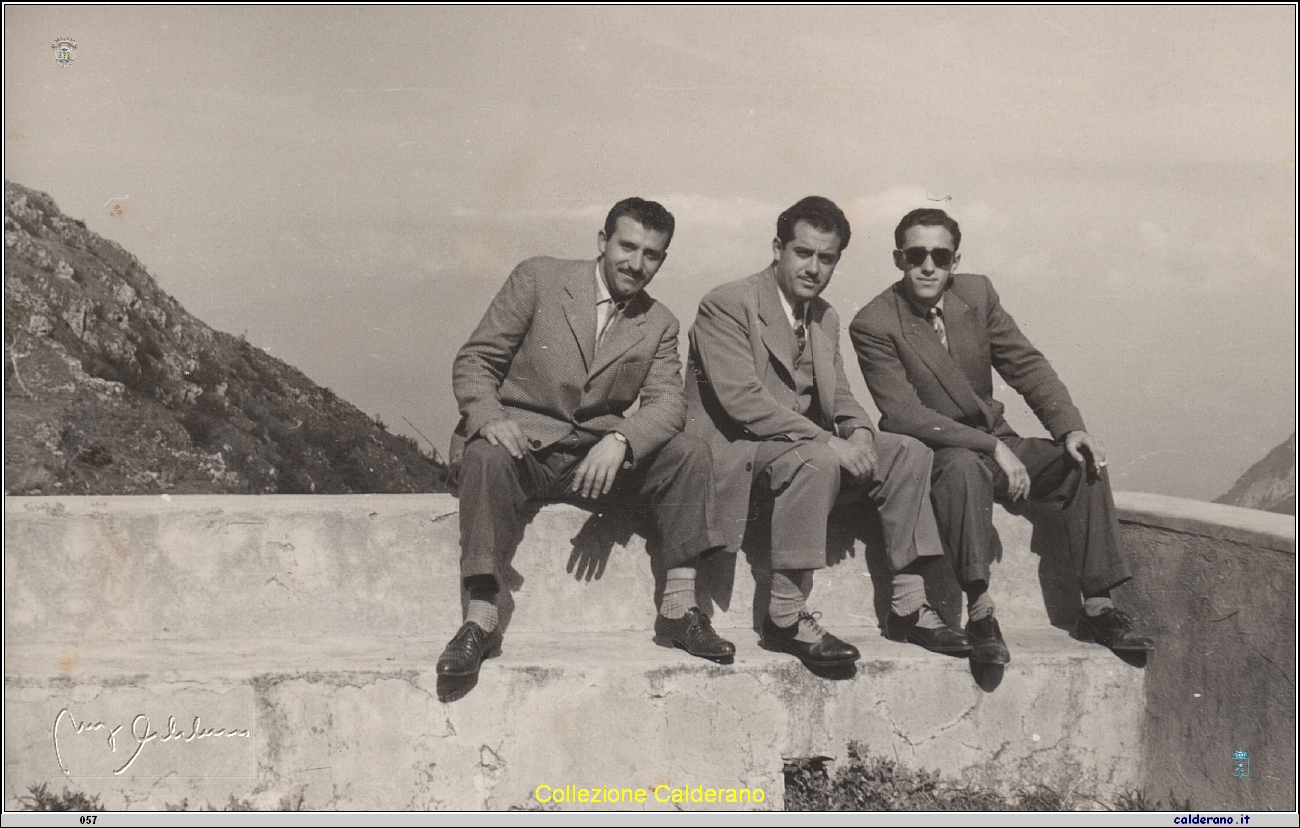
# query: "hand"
[506,433]
[594,476]
[1017,475]
[863,438]
[1076,442]
[857,459]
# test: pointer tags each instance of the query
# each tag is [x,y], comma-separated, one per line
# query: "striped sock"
[790,591]
[483,613]
[679,592]
[482,608]
[909,597]
[909,593]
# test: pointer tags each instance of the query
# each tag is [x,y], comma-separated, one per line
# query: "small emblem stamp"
[1242,761]
[63,48]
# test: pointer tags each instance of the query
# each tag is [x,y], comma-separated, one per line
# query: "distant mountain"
[1269,484]
[111,387]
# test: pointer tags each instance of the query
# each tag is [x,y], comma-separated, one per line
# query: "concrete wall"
[201,567]
[1217,585]
[314,622]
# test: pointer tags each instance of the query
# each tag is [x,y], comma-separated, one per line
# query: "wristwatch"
[627,464]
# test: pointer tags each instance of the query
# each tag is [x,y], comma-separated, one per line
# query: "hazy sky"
[350,186]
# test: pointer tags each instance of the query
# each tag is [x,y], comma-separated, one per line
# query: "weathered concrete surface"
[1217,585]
[356,723]
[202,602]
[85,569]
[1247,527]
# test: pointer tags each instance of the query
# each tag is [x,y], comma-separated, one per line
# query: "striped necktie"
[800,330]
[935,315]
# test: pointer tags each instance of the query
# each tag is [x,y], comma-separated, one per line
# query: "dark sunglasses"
[916,256]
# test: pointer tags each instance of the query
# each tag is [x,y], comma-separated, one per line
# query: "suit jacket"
[944,397]
[741,388]
[533,359]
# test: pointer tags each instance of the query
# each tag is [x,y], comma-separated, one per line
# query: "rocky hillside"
[111,387]
[1269,484]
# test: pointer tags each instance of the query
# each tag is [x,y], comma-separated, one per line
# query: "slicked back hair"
[927,217]
[820,213]
[649,214]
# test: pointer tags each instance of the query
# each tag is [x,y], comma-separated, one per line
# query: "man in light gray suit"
[928,346]
[768,393]
[544,385]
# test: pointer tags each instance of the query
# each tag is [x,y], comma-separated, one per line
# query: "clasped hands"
[857,454]
[593,477]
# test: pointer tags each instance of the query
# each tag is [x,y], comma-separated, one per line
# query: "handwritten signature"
[142,732]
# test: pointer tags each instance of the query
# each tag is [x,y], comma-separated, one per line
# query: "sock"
[482,601]
[909,597]
[679,592]
[790,591]
[1094,605]
[928,619]
[909,593]
[979,605]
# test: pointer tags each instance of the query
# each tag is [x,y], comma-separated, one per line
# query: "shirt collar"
[923,311]
[786,306]
[602,290]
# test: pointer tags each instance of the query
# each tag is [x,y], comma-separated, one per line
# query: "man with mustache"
[927,347]
[768,392]
[544,386]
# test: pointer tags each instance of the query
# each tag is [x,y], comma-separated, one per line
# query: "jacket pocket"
[628,381]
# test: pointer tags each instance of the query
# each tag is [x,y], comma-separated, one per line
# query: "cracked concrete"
[614,710]
[318,621]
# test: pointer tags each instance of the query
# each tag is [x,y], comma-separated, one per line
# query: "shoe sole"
[671,643]
[1088,637]
[1001,660]
[493,653]
[777,648]
[905,639]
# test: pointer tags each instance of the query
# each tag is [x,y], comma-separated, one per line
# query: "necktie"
[606,313]
[800,331]
[935,315]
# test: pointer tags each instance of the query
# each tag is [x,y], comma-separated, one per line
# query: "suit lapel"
[580,310]
[778,336]
[623,334]
[926,343]
[963,340]
[823,356]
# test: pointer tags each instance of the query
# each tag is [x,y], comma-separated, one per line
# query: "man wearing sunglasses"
[927,347]
[766,390]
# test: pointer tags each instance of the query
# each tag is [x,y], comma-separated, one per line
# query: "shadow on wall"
[605,528]
[854,531]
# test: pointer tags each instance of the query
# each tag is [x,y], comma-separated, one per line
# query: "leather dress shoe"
[987,646]
[826,651]
[694,634]
[944,639]
[467,649]
[1113,628]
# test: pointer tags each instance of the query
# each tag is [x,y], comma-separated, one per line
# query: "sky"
[348,187]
